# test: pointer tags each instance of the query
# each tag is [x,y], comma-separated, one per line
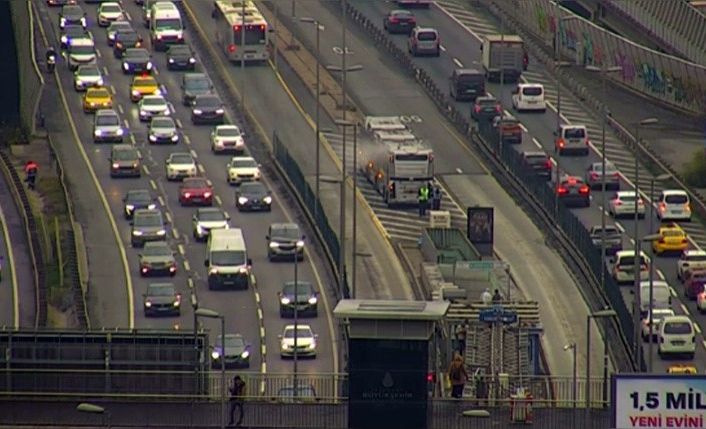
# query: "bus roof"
[403,135]
[232,10]
[384,123]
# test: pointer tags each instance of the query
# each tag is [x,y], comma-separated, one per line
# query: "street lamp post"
[210,314]
[346,125]
[595,315]
[572,347]
[636,240]
[87,407]
[319,29]
[295,357]
[242,55]
[603,70]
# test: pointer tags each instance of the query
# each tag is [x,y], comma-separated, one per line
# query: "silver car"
[147,225]
[107,126]
[87,76]
[157,258]
[424,41]
[162,129]
[207,218]
[153,105]
[594,176]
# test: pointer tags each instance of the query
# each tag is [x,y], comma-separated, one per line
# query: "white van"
[661,295]
[677,336]
[227,260]
[529,96]
[166,26]
[674,204]
[572,138]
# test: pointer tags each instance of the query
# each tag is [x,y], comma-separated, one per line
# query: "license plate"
[249,56]
[678,343]
[470,91]
[531,102]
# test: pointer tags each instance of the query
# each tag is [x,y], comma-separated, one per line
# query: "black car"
[306,299]
[180,57]
[72,14]
[207,108]
[193,84]
[72,31]
[235,354]
[136,60]
[399,21]
[162,299]
[124,40]
[538,163]
[485,108]
[253,196]
[613,238]
[137,199]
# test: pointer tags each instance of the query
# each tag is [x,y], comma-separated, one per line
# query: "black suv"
[162,299]
[253,196]
[180,57]
[136,60]
[124,40]
[137,199]
[305,300]
[72,14]
[207,108]
[193,84]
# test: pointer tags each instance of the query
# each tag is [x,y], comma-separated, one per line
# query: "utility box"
[447,246]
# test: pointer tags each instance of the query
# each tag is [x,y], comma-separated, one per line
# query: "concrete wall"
[30,76]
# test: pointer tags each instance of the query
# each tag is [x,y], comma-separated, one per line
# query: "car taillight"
[561,142]
[588,142]
[684,240]
[116,165]
[643,267]
[616,174]
[477,108]
[498,109]
[618,203]
[640,202]
[662,206]
[206,194]
[562,190]
[394,20]
[187,195]
[661,240]
[584,189]
[431,377]
[548,164]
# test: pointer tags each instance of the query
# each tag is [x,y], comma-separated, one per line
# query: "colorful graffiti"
[628,71]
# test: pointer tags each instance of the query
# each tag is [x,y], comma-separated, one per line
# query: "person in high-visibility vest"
[423,198]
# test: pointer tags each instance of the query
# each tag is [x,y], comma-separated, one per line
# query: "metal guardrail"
[523,185]
[32,230]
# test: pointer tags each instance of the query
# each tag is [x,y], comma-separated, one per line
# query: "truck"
[502,52]
[396,163]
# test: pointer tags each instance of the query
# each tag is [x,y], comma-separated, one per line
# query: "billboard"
[480,225]
[659,401]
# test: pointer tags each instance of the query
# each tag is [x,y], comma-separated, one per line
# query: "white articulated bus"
[230,22]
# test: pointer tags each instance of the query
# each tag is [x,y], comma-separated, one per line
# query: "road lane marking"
[127,16]
[260,316]
[194,154]
[684,309]
[262,332]
[697,328]
[660,275]
[620,227]
[536,142]
[126,123]
[178,122]
[220,203]
[181,249]
[257,297]
[153,184]
[190,282]
[161,200]
[703,343]
[175,233]
[120,109]
[672,291]
[201,169]
[98,53]
[147,170]
[105,71]
[187,140]
[187,267]
[132,139]
[458,63]
[459,171]
[112,89]
[442,47]
[168,216]
[523,128]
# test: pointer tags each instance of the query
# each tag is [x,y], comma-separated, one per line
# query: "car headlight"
[171,61]
[120,132]
[213,271]
[300,244]
[245,354]
[148,304]
[149,65]
[215,354]
[239,142]
[111,36]
[192,60]
[157,91]
[197,111]
[99,82]
[312,346]
[166,112]
[143,113]
[98,133]
[135,93]
[137,233]
[153,138]
[285,301]
[257,174]
[268,200]
[126,66]
[199,229]
[62,21]
[152,206]
[243,270]
[177,303]
[64,39]
[83,21]
[161,232]
[129,207]
[274,245]
[175,137]
[313,300]
[285,346]
[192,170]
[242,200]
[219,111]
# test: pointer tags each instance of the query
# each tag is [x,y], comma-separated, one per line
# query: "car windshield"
[598,168]
[469,78]
[153,101]
[148,220]
[661,312]
[208,102]
[145,81]
[127,36]
[72,11]
[111,8]
[676,199]
[195,183]
[536,158]
[231,341]
[197,83]
[291,232]
[302,332]
[163,123]
[243,163]
[157,250]
[183,158]
[574,133]
[696,258]
[125,155]
[88,72]
[211,216]
[98,93]
[139,197]
[229,132]
[486,102]
[303,288]
[179,50]
[253,188]
[107,120]
[627,197]
[136,55]
[82,49]
[115,26]
[630,261]
[532,91]
[426,35]
[158,290]
[227,257]
[677,328]
[609,230]
[404,14]
[673,233]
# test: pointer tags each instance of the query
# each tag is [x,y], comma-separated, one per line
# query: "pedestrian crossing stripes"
[616,151]
[400,224]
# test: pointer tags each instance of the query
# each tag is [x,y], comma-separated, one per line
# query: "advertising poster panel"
[659,401]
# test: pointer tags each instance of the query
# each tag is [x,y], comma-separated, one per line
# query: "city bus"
[230,22]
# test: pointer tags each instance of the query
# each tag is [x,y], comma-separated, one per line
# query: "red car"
[196,191]
[694,282]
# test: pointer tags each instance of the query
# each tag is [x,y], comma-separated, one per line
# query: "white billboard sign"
[659,401]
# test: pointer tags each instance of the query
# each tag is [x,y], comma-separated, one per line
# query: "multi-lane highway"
[254,312]
[462,49]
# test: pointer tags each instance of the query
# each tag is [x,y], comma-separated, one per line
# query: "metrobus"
[230,21]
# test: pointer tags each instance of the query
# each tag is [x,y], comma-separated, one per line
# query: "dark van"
[466,84]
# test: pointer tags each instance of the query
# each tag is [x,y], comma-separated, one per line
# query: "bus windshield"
[254,34]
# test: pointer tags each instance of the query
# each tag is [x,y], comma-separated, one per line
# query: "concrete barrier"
[31,79]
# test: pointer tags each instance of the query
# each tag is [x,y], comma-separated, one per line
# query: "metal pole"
[558,109]
[355,208]
[574,388]
[652,275]
[242,60]
[342,226]
[296,322]
[502,80]
[318,108]
[344,102]
[588,361]
[605,367]
[638,249]
[223,372]
[603,179]
[276,35]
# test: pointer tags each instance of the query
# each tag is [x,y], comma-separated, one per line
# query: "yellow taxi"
[682,369]
[671,239]
[97,98]
[143,85]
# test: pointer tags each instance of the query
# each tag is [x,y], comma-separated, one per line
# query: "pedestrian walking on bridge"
[458,376]
[436,198]
[237,396]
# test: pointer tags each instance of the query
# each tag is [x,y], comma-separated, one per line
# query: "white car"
[153,105]
[109,12]
[180,165]
[657,315]
[227,138]
[623,204]
[677,336]
[529,96]
[87,76]
[306,341]
[690,260]
[206,219]
[162,129]
[242,169]
[674,204]
[624,266]
[81,52]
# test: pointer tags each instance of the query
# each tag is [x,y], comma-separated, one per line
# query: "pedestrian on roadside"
[480,386]
[436,198]
[31,169]
[423,199]
[237,396]
[461,332]
[458,376]
[497,298]
[486,297]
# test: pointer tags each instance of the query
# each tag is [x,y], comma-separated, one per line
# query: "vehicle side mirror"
[227,216]
[167,162]
[267,237]
[316,335]
[259,165]
[303,237]
[132,223]
[205,262]
[515,91]
[555,133]
[279,336]
[249,261]
[242,133]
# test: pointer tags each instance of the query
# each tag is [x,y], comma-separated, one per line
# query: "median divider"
[506,164]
